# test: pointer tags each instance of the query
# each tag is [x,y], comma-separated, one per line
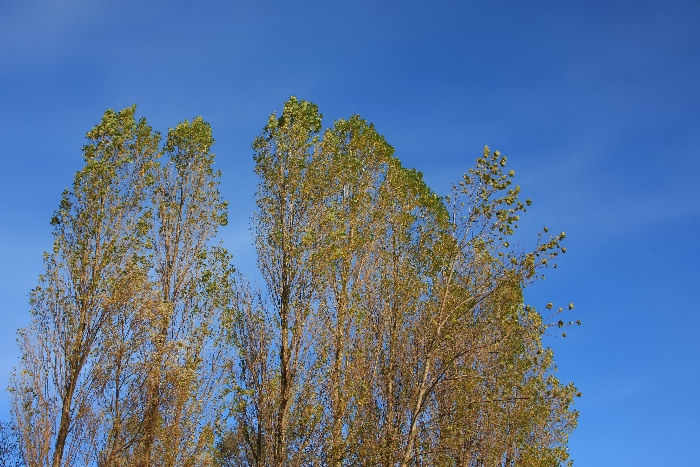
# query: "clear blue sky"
[596,103]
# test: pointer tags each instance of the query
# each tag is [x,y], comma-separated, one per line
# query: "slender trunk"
[114,442]
[424,386]
[82,343]
[64,424]
[75,365]
[280,454]
[336,403]
[153,400]
[280,440]
[412,432]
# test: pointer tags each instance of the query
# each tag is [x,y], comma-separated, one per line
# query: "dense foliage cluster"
[390,328]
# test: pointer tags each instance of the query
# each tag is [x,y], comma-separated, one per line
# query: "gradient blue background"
[596,104]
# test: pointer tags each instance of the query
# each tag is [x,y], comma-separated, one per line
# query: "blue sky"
[596,104]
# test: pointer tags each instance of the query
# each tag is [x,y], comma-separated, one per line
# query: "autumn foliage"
[389,329]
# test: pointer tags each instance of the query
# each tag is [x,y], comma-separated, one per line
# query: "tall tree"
[192,280]
[286,201]
[478,336]
[96,243]
[422,349]
[392,329]
[118,364]
[353,158]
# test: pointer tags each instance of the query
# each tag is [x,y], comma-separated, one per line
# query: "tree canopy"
[390,327]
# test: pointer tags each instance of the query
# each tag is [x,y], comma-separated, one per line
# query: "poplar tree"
[118,364]
[97,250]
[286,210]
[393,328]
